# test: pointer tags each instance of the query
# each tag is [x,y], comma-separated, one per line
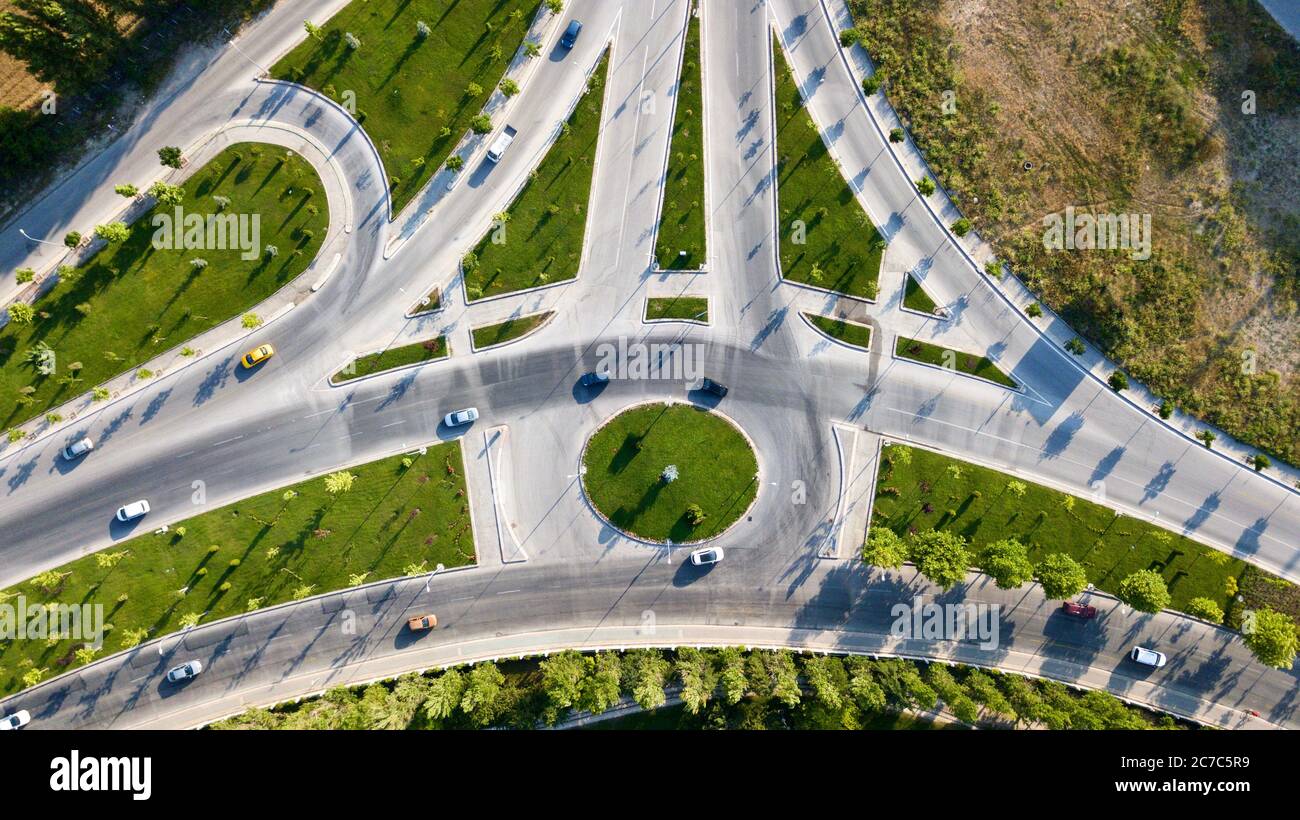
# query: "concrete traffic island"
[662,472]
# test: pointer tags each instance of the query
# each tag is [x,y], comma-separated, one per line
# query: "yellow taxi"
[257,355]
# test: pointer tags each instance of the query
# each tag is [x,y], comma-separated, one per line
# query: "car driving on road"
[459,417]
[17,720]
[256,356]
[420,623]
[132,511]
[570,37]
[77,449]
[1084,611]
[1148,657]
[716,388]
[186,671]
[594,379]
[708,555]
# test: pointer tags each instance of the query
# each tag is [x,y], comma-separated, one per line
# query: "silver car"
[461,417]
[77,449]
[186,671]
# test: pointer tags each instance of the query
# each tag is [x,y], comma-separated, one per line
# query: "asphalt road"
[240,433]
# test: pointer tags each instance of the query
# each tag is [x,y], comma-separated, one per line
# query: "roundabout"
[670,472]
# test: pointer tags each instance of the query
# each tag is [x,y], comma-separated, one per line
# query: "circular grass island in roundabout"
[629,477]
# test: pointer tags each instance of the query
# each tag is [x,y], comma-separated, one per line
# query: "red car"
[1084,611]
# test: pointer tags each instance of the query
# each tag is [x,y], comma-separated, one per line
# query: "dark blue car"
[571,34]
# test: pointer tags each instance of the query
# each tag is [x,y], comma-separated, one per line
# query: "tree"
[782,677]
[21,313]
[1060,576]
[313,30]
[509,87]
[127,190]
[250,321]
[941,556]
[1007,561]
[455,162]
[1034,311]
[734,681]
[925,185]
[167,194]
[352,41]
[1260,462]
[1076,346]
[1271,637]
[170,156]
[531,49]
[422,30]
[1017,488]
[647,671]
[113,232]
[602,687]
[340,482]
[444,695]
[1205,608]
[961,227]
[483,693]
[849,37]
[481,124]
[1207,437]
[72,239]
[821,672]
[1166,409]
[866,691]
[1144,590]
[562,676]
[555,6]
[895,134]
[68,44]
[699,678]
[1118,381]
[884,548]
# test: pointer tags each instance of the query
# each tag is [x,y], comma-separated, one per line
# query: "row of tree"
[945,557]
[719,688]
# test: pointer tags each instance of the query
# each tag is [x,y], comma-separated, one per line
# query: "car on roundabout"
[459,417]
[706,556]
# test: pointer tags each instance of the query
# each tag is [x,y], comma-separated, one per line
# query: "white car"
[186,671]
[461,417]
[17,720]
[77,449]
[1148,657]
[132,511]
[708,555]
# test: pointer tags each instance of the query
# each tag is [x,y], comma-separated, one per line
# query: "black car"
[717,389]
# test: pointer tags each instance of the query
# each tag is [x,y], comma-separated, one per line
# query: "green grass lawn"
[716,470]
[677,307]
[413,96]
[393,520]
[915,297]
[850,333]
[968,363]
[841,249]
[981,505]
[681,223]
[131,302]
[426,351]
[508,330]
[543,239]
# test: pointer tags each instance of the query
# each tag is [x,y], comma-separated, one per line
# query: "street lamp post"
[42,241]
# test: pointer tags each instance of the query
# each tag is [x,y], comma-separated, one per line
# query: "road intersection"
[207,426]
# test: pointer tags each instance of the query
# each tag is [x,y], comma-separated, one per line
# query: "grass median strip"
[915,297]
[538,240]
[509,330]
[694,308]
[139,297]
[968,363]
[850,333]
[397,516]
[827,240]
[680,244]
[394,357]
[415,90]
[918,490]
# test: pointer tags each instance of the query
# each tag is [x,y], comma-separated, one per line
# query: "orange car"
[422,622]
[257,355]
